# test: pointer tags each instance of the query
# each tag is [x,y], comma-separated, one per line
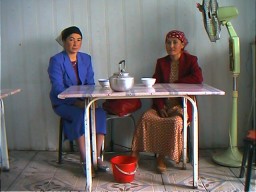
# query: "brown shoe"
[161,167]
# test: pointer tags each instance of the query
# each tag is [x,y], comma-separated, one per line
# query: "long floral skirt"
[160,135]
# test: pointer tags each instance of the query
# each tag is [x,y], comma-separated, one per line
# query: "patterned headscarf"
[177,34]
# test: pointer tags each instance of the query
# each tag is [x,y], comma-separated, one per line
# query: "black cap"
[68,31]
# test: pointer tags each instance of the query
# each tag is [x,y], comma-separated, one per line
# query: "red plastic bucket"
[124,168]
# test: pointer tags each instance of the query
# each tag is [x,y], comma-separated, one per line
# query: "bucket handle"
[127,173]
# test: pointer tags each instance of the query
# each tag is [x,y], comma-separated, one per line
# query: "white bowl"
[104,82]
[148,82]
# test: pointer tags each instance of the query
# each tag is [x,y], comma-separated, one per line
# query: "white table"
[4,147]
[93,93]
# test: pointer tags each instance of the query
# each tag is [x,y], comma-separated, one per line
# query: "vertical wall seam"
[24,62]
[71,7]
[124,28]
[88,6]
[107,37]
[141,27]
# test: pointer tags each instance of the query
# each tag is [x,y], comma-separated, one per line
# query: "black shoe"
[103,168]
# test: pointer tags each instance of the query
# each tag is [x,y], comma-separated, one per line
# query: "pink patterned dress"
[162,135]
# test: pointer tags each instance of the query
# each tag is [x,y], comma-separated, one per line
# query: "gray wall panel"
[133,30]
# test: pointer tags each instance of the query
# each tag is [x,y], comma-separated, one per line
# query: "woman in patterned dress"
[160,128]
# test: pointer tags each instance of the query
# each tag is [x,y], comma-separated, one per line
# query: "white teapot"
[121,81]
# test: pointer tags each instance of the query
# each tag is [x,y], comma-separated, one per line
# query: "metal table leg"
[4,149]
[195,143]
[185,125]
[88,147]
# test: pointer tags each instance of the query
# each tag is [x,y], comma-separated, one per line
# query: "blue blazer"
[62,75]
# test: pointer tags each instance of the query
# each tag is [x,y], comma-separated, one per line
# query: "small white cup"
[103,82]
[148,82]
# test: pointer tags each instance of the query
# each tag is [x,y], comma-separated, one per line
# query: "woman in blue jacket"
[67,68]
